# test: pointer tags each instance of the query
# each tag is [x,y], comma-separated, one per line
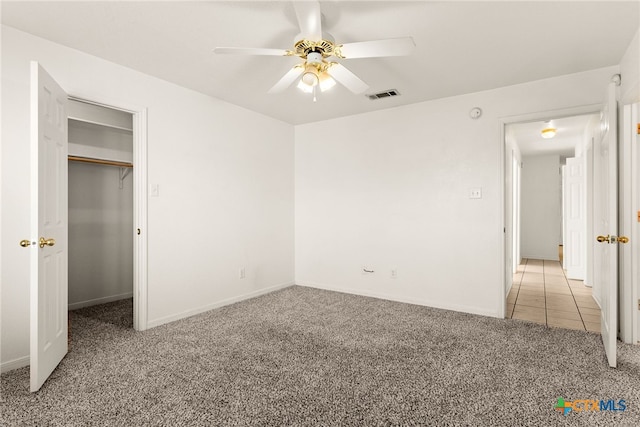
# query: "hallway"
[542,293]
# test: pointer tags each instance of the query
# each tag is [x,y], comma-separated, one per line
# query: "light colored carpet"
[304,356]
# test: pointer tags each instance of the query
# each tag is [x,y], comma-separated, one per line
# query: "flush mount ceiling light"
[548,133]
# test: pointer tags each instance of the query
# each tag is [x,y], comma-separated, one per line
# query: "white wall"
[630,72]
[226,188]
[390,189]
[100,235]
[541,207]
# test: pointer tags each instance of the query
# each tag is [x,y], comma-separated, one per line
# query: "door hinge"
[638,128]
[639,304]
[638,216]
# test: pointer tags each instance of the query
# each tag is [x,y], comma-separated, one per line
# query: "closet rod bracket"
[124,171]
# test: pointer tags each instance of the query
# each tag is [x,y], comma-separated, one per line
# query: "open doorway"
[547,196]
[101,215]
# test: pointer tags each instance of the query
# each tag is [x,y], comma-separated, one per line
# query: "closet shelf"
[100,161]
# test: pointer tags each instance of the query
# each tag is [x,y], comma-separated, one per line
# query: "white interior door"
[49,229]
[574,217]
[606,222]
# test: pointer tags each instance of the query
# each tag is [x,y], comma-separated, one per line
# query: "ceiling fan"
[319,51]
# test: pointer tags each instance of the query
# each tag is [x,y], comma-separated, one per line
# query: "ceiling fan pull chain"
[314,93]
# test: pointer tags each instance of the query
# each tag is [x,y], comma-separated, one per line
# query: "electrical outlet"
[394,273]
[242,273]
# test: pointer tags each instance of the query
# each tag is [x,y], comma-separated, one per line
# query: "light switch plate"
[475,193]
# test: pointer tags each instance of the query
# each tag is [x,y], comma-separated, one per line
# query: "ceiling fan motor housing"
[314,58]
[305,47]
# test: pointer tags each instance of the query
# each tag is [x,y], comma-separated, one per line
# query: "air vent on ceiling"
[385,94]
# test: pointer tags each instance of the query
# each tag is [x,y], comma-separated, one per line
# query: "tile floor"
[542,293]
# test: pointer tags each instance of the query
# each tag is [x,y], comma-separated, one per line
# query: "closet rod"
[100,161]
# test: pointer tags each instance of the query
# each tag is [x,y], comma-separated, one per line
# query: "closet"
[100,205]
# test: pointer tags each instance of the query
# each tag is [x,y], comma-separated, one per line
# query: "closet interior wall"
[100,206]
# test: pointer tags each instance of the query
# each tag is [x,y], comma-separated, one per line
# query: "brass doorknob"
[623,239]
[602,239]
[25,243]
[47,242]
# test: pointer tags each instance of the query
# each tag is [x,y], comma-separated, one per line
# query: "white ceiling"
[570,132]
[461,47]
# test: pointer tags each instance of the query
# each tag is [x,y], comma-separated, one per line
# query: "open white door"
[574,216]
[605,222]
[49,229]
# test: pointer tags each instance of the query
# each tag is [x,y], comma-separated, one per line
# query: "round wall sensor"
[475,113]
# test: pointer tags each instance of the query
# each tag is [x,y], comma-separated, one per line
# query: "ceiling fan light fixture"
[548,133]
[304,87]
[310,77]
[326,82]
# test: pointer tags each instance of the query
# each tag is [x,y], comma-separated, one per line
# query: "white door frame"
[629,253]
[507,234]
[635,229]
[515,212]
[139,172]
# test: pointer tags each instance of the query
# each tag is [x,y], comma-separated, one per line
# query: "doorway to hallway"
[540,242]
[541,293]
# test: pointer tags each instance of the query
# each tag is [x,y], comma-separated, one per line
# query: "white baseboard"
[544,257]
[222,303]
[415,301]
[96,301]
[14,364]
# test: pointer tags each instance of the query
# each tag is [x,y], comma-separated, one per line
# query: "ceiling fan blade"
[309,19]
[287,79]
[347,78]
[377,48]
[251,51]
